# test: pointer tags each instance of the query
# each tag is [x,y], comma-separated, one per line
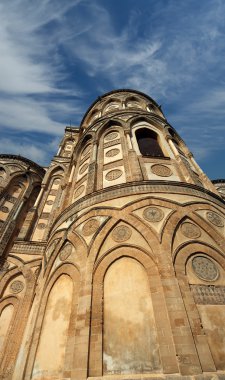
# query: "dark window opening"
[148,143]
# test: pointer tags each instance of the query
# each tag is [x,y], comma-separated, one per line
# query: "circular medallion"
[153,214]
[215,219]
[86,150]
[113,174]
[161,170]
[79,191]
[65,252]
[90,227]
[121,233]
[41,226]
[57,182]
[190,230]
[112,152]
[17,286]
[205,268]
[4,209]
[83,168]
[111,136]
[49,202]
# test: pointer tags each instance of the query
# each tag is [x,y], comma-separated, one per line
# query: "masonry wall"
[118,266]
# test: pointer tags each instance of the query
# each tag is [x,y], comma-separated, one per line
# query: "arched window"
[148,143]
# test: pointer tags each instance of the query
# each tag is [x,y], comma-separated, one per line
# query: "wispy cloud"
[56,57]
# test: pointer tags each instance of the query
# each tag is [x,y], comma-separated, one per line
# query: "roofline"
[115,92]
[23,159]
[218,180]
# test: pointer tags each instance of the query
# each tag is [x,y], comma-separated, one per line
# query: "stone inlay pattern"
[153,214]
[205,268]
[79,191]
[208,295]
[121,233]
[161,170]
[4,209]
[190,230]
[111,136]
[83,168]
[17,286]
[90,227]
[41,226]
[215,219]
[113,174]
[50,202]
[65,252]
[112,152]
[86,150]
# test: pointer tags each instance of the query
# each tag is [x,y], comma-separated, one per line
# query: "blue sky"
[58,56]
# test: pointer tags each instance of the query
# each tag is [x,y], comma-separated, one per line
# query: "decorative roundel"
[121,233]
[111,136]
[16,286]
[79,191]
[205,268]
[57,182]
[215,219]
[50,202]
[4,209]
[153,214]
[86,150]
[90,227]
[83,168]
[65,252]
[41,226]
[112,152]
[113,174]
[190,230]
[161,170]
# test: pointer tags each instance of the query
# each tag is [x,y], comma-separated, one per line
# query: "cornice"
[132,188]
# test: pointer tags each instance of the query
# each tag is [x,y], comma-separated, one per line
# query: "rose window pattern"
[205,268]
[111,136]
[113,174]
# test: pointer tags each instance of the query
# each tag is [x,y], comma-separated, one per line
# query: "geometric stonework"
[111,136]
[41,226]
[208,295]
[90,227]
[205,268]
[113,174]
[94,251]
[190,230]
[121,233]
[83,168]
[65,252]
[153,214]
[112,152]
[215,219]
[17,286]
[86,150]
[161,170]
[79,191]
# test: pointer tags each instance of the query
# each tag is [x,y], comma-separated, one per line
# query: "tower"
[112,258]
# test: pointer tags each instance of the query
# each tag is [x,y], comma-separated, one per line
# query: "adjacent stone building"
[113,257]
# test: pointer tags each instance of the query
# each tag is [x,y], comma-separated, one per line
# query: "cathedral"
[112,259]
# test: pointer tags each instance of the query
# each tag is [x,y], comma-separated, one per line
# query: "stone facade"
[113,257]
